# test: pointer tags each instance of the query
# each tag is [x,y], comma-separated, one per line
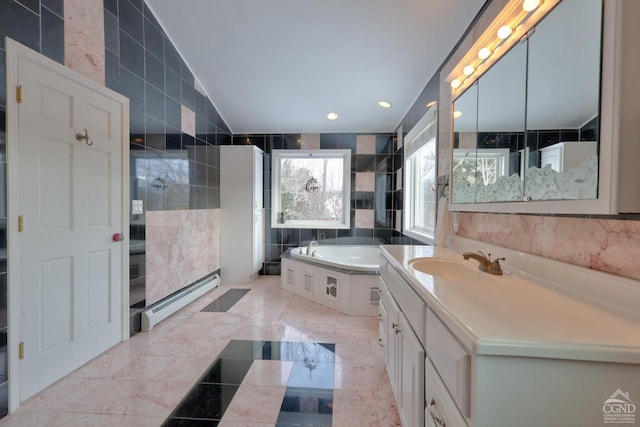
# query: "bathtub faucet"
[311,243]
[492,267]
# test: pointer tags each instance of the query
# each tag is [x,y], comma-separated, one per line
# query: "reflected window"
[311,188]
[482,167]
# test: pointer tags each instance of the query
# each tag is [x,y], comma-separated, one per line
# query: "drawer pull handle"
[398,331]
[394,325]
[380,343]
[379,316]
[435,414]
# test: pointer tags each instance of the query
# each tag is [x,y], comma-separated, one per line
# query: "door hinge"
[21,351]
[19,94]
[20,224]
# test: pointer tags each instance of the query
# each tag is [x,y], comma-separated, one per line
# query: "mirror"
[563,102]
[533,131]
[465,137]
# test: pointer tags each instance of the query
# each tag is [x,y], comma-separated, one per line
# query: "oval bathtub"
[354,258]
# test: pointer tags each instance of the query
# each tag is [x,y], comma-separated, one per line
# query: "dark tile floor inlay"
[226,301]
[308,399]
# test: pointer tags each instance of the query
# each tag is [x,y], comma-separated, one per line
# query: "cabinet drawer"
[451,360]
[409,301]
[440,410]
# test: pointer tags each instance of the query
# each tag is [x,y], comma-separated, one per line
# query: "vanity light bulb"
[455,83]
[484,53]
[504,32]
[457,114]
[468,70]
[530,5]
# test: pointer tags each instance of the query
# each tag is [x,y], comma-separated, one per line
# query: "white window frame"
[423,133]
[500,155]
[278,155]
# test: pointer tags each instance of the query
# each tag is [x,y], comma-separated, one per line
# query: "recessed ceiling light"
[384,104]
[504,32]
[455,83]
[332,116]
[457,114]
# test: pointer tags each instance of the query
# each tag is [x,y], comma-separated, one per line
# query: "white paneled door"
[69,207]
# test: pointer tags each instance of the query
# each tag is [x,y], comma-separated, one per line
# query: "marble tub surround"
[539,307]
[84,38]
[182,246]
[609,245]
[129,385]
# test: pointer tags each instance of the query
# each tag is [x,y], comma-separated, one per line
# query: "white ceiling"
[280,66]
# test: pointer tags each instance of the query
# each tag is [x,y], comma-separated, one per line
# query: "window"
[482,165]
[311,188]
[420,173]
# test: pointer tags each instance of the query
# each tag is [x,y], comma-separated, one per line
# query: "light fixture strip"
[512,15]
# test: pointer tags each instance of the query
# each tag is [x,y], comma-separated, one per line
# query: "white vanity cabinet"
[509,351]
[404,351]
[430,376]
[241,216]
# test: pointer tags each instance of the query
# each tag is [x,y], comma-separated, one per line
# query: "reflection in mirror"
[465,137]
[501,114]
[563,98]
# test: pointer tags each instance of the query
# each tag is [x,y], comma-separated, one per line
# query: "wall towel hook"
[85,137]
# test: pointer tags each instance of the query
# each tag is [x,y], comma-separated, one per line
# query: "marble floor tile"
[361,377]
[364,408]
[127,397]
[255,402]
[141,381]
[269,372]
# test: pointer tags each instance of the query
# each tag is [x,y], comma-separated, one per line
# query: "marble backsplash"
[182,246]
[609,245]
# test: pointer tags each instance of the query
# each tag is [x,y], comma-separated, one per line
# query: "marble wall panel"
[182,247]
[84,38]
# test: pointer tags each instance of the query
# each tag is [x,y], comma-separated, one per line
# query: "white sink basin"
[450,269]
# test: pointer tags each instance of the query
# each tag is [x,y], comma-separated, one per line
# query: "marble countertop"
[511,315]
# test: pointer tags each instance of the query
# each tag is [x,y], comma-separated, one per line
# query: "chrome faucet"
[485,263]
[311,243]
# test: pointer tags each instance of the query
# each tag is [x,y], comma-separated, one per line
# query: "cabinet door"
[391,349]
[257,241]
[257,179]
[441,410]
[411,375]
[383,321]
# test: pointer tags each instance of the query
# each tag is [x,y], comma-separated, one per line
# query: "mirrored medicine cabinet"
[542,128]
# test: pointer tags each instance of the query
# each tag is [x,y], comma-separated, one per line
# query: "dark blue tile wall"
[169,169]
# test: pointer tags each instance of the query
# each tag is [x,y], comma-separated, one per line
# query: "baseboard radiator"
[166,307]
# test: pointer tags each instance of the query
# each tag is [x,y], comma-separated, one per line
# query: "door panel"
[54,163]
[55,302]
[98,209]
[56,106]
[99,289]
